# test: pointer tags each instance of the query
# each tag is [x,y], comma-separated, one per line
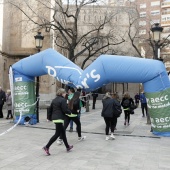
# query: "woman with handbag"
[127,101]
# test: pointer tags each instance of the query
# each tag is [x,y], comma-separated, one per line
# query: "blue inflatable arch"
[105,69]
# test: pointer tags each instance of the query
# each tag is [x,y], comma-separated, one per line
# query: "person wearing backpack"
[109,115]
[127,101]
[74,106]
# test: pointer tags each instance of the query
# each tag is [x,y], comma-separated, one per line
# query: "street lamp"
[38,43]
[156,30]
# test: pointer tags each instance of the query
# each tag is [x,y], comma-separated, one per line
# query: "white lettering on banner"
[162,120]
[52,72]
[18,79]
[19,88]
[20,93]
[20,105]
[51,69]
[97,76]
[93,76]
[161,99]
[84,83]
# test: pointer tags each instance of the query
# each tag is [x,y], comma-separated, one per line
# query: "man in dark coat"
[94,95]
[2,100]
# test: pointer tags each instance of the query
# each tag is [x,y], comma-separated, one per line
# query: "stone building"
[18,43]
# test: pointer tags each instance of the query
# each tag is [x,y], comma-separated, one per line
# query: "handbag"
[133,107]
[132,112]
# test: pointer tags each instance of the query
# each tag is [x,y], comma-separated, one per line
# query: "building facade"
[151,12]
[18,43]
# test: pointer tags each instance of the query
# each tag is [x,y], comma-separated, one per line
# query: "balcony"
[165,23]
[165,4]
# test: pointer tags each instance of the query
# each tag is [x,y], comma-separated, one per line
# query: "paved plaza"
[135,147]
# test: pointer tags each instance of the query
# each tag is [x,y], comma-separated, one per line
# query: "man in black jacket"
[2,100]
[94,95]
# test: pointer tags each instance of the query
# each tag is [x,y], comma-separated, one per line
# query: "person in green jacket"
[74,106]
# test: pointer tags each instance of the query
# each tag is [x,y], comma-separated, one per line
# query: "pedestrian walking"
[108,114]
[58,109]
[2,100]
[74,106]
[94,95]
[9,104]
[137,98]
[127,101]
[143,104]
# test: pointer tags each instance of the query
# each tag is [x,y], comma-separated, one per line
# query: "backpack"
[117,110]
[126,103]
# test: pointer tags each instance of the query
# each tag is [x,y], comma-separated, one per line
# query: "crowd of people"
[66,109]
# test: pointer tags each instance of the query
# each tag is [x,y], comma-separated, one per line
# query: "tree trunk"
[71,54]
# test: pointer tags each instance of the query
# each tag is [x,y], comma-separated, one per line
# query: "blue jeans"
[71,122]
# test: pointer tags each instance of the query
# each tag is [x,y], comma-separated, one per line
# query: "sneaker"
[71,130]
[46,150]
[112,136]
[70,147]
[81,138]
[107,137]
[125,123]
[60,142]
[128,124]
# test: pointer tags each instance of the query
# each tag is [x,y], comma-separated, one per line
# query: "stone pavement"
[135,147]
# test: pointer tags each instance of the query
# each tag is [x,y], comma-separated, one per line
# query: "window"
[142,5]
[156,12]
[142,23]
[155,3]
[155,21]
[141,32]
[143,14]
[165,18]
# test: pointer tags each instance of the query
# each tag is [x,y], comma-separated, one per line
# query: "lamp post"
[38,43]
[156,30]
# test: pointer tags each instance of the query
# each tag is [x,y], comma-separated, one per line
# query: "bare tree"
[64,21]
[138,39]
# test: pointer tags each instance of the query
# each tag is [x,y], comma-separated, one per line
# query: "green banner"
[159,110]
[24,96]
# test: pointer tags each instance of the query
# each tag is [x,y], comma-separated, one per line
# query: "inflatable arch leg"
[24,97]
